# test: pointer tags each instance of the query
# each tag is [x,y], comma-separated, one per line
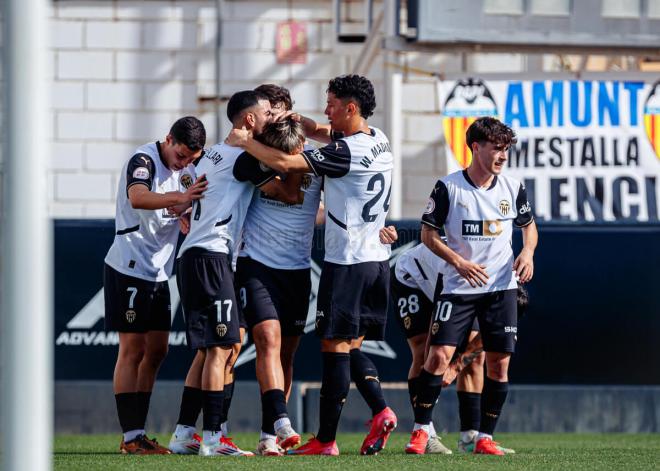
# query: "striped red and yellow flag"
[455,128]
[652,128]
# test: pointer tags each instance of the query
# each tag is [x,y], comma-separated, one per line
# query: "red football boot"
[315,447]
[382,425]
[417,443]
[486,446]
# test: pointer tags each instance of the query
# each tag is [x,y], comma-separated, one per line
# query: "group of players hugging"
[248,207]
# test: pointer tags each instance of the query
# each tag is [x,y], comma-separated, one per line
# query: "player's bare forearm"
[275,158]
[314,130]
[524,263]
[143,198]
[320,215]
[474,273]
[433,241]
[472,351]
[530,237]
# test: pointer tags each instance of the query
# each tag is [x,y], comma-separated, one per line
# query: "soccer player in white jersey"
[354,286]
[206,279]
[416,276]
[477,208]
[274,282]
[138,265]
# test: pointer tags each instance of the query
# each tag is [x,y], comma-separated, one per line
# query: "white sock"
[432,432]
[283,422]
[484,435]
[468,435]
[267,436]
[184,431]
[132,435]
[424,427]
[224,428]
[211,438]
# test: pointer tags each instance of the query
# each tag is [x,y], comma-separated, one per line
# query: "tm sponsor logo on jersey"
[481,230]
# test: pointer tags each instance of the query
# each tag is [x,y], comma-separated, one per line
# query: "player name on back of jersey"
[213,155]
[376,151]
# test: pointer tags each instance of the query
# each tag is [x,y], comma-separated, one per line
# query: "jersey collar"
[340,135]
[469,180]
[160,155]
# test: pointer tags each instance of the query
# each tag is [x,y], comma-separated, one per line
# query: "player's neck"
[479,177]
[355,126]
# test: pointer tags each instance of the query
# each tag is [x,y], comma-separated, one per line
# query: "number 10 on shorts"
[442,311]
[218,305]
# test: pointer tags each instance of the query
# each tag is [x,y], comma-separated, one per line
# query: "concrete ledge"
[89,407]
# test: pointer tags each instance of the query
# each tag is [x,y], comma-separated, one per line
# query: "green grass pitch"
[534,451]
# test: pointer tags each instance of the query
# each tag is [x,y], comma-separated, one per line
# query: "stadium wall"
[122,71]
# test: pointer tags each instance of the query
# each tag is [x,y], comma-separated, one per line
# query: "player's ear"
[249,119]
[351,107]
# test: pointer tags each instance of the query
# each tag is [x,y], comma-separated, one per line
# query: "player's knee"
[498,367]
[267,341]
[437,361]
[156,354]
[132,353]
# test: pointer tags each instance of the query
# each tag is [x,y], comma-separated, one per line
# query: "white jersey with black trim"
[217,219]
[419,268]
[478,224]
[145,239]
[357,190]
[279,234]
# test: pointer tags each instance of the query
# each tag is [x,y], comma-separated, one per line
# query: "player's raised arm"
[274,158]
[313,130]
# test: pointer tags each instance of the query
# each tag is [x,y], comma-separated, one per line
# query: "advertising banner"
[586,150]
[580,301]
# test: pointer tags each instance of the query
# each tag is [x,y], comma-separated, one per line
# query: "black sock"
[229,394]
[334,389]
[365,376]
[428,390]
[273,406]
[143,399]
[127,411]
[191,406]
[469,410]
[412,390]
[493,397]
[213,410]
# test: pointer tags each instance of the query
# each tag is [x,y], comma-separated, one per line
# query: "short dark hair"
[190,132]
[355,87]
[276,94]
[286,135]
[240,101]
[522,299]
[488,129]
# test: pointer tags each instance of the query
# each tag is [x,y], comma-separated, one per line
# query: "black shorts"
[134,305]
[208,297]
[352,301]
[270,293]
[454,314]
[412,309]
